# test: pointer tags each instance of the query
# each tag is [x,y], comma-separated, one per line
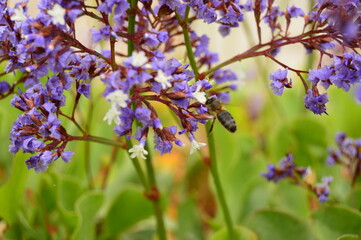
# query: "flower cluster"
[46,43]
[340,24]
[288,169]
[347,154]
[344,72]
[38,129]
[342,17]
[132,89]
[45,47]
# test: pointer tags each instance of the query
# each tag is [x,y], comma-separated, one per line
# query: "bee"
[216,108]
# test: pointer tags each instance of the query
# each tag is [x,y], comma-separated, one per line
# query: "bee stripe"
[227,120]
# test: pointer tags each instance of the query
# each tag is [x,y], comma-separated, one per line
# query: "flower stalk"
[218,185]
[150,185]
[211,145]
[184,24]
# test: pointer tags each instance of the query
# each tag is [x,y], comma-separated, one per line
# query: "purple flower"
[41,161]
[224,30]
[286,169]
[333,157]
[38,129]
[126,118]
[279,81]
[316,102]
[295,11]
[275,51]
[358,95]
[107,6]
[202,46]
[163,139]
[163,146]
[101,34]
[323,189]
[173,4]
[224,97]
[348,148]
[163,36]
[143,115]
[66,156]
[222,76]
[347,71]
[321,75]
[84,88]
[4,87]
[272,15]
[231,16]
[340,138]
[209,15]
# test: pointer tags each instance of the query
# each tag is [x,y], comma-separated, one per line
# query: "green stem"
[212,153]
[187,41]
[218,185]
[98,140]
[87,147]
[156,198]
[150,186]
[131,25]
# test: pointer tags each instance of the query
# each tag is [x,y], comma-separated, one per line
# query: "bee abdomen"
[227,121]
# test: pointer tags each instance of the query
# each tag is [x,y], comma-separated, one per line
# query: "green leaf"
[128,208]
[272,224]
[241,233]
[11,193]
[304,137]
[146,234]
[87,207]
[68,192]
[349,237]
[189,224]
[332,222]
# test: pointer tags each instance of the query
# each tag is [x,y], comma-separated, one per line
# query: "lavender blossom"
[288,169]
[295,11]
[44,48]
[316,102]
[323,189]
[280,81]
[38,129]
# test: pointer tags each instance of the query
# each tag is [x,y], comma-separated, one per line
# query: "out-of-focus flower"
[196,146]
[58,14]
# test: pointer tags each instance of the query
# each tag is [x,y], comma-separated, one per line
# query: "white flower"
[139,59]
[117,98]
[307,173]
[200,96]
[196,145]
[19,15]
[138,151]
[112,115]
[163,79]
[58,14]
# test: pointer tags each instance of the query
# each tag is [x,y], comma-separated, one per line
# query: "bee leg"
[212,124]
